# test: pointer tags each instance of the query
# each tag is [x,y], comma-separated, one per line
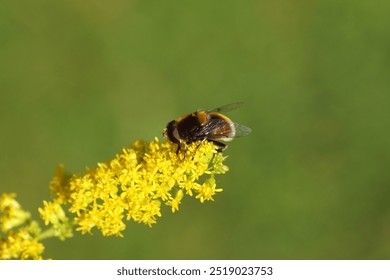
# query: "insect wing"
[227,107]
[215,128]
[220,129]
[241,130]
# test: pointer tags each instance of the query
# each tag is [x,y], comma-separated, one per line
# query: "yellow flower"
[12,213]
[21,245]
[135,184]
[207,190]
[52,213]
[58,184]
[132,186]
[17,241]
[174,203]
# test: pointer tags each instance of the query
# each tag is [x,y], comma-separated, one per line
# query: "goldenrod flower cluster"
[134,186]
[20,239]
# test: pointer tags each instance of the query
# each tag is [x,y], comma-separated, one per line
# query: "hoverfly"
[209,125]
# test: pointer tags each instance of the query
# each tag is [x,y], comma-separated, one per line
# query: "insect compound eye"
[172,132]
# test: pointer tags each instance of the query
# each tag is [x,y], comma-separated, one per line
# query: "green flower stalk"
[132,186]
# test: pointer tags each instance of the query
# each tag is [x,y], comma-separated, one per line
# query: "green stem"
[46,234]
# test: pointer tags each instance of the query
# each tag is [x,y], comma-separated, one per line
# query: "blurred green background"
[79,80]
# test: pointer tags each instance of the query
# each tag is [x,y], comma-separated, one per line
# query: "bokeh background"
[79,80]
